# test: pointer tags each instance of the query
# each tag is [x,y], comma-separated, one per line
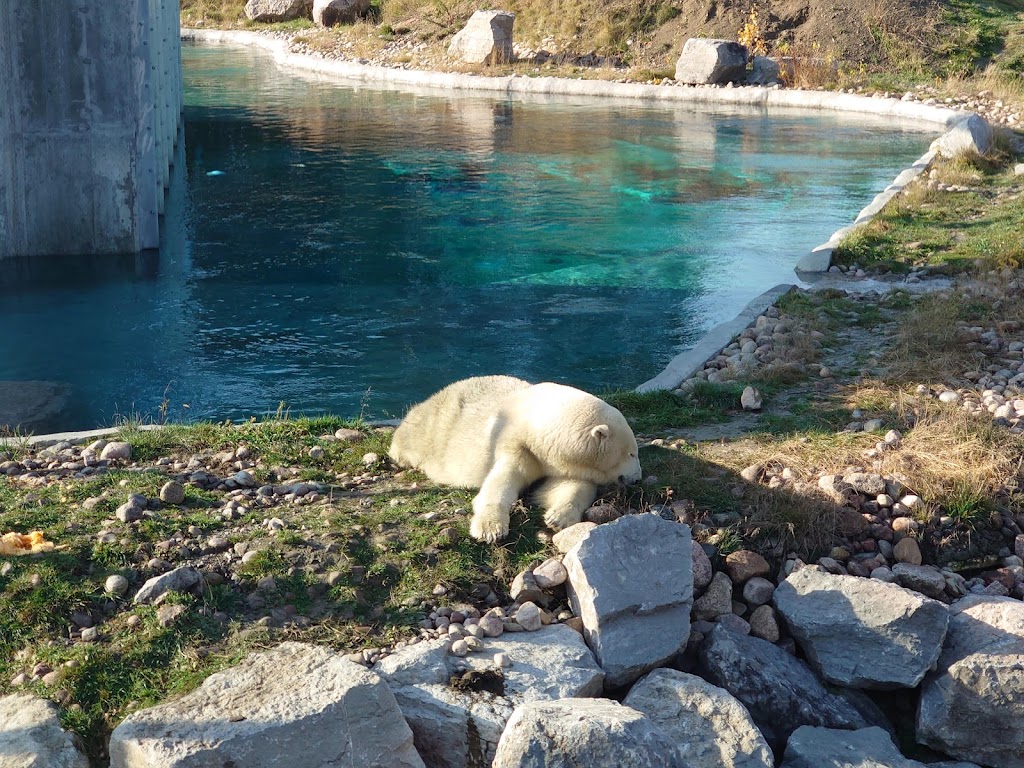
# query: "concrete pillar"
[90,106]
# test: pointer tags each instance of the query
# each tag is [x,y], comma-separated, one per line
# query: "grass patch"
[663,410]
[960,230]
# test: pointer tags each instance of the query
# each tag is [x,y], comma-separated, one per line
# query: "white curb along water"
[685,364]
[749,96]
[820,259]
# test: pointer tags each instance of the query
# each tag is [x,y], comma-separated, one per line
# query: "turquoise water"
[351,250]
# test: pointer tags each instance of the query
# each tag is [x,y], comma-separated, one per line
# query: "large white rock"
[711,727]
[277,10]
[327,13]
[708,62]
[631,581]
[486,38]
[460,728]
[780,691]
[583,732]
[972,134]
[862,633]
[972,706]
[295,706]
[810,747]
[31,736]
[183,579]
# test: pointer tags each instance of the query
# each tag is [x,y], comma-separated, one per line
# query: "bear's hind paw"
[560,518]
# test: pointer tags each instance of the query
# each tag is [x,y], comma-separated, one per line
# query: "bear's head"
[580,436]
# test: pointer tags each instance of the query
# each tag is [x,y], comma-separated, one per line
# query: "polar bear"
[501,434]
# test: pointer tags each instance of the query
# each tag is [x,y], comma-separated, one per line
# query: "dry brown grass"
[808,66]
[226,13]
[928,349]
[948,451]
[1003,86]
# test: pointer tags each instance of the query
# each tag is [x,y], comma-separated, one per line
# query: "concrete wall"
[90,107]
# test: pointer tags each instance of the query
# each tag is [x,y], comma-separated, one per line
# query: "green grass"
[966,505]
[811,420]
[663,410]
[958,230]
[373,525]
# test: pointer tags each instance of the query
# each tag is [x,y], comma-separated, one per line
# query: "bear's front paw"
[559,518]
[488,525]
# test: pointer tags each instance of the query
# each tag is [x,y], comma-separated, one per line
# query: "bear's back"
[450,436]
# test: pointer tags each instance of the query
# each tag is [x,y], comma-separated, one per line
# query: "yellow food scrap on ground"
[24,543]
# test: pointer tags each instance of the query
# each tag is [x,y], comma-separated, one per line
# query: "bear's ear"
[600,432]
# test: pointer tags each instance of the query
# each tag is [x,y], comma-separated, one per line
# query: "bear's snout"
[631,475]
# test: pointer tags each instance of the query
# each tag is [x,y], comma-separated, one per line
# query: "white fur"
[502,434]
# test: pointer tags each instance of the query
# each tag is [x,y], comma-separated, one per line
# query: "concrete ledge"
[685,364]
[81,436]
[89,435]
[820,259]
[748,96]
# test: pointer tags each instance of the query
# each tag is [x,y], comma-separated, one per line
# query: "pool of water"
[351,250]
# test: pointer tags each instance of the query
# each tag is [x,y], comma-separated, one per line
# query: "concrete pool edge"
[820,258]
[685,364]
[750,96]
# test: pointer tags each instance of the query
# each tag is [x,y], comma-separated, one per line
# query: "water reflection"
[351,250]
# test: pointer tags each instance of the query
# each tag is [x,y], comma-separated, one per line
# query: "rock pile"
[533,697]
[772,342]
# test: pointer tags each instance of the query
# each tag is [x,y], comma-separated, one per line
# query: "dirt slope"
[852,30]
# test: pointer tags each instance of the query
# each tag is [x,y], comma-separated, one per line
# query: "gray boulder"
[973,704]
[710,727]
[486,38]
[828,748]
[266,712]
[764,71]
[636,615]
[709,62]
[328,13]
[181,579]
[862,633]
[460,727]
[925,579]
[780,691]
[583,732]
[972,134]
[118,450]
[277,10]
[31,736]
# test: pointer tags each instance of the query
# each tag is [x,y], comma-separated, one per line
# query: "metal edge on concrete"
[685,364]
